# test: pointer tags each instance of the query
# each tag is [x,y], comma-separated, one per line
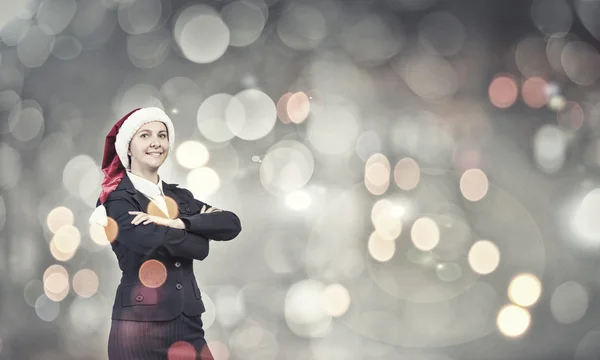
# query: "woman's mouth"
[154,154]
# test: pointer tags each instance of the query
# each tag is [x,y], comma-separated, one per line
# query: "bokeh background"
[416,179]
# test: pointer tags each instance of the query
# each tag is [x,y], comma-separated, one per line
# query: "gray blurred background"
[416,179]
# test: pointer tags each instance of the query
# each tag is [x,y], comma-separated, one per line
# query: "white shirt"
[152,191]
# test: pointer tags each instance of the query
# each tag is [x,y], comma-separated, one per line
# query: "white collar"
[146,186]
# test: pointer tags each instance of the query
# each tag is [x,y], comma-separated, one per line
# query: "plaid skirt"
[179,339]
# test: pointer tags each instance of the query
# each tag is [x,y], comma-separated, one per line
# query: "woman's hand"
[204,210]
[141,217]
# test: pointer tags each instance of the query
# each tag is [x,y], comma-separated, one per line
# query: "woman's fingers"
[139,218]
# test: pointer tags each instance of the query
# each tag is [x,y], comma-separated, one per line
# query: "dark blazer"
[164,251]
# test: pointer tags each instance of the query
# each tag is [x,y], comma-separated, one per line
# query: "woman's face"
[149,146]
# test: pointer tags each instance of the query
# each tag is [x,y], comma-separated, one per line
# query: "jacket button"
[187,209]
[139,298]
[178,286]
[177,264]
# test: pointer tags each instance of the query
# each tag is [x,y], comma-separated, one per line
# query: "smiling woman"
[158,306]
[148,149]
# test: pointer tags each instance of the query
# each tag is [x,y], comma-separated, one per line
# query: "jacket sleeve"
[222,225]
[147,239]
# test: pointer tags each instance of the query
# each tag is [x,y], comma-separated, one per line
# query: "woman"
[156,230]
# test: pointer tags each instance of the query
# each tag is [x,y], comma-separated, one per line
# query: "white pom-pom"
[99,216]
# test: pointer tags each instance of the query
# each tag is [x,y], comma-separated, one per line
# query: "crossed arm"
[186,237]
[147,239]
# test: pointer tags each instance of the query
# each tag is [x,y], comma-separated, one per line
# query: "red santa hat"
[115,160]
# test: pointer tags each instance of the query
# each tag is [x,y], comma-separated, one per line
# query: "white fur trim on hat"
[132,124]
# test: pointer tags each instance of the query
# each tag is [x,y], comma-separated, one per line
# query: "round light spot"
[152,273]
[513,320]
[484,257]
[474,184]
[425,234]
[525,290]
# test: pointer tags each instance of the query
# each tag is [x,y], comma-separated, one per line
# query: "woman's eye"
[163,136]
[143,135]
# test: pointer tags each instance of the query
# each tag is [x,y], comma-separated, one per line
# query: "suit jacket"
[158,281]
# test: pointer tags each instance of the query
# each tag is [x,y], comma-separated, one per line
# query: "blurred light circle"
[138,95]
[260,115]
[377,174]
[379,248]
[152,273]
[570,116]
[549,148]
[32,291]
[557,102]
[214,115]
[552,17]
[387,219]
[569,302]
[535,92]
[525,290]
[148,50]
[513,320]
[85,314]
[448,271]
[72,178]
[58,217]
[304,309]
[474,184]
[585,218]
[425,234]
[182,350]
[282,111]
[138,17]
[11,167]
[530,56]
[503,91]
[298,107]
[554,48]
[407,174]
[67,47]
[333,129]
[67,239]
[14,30]
[53,16]
[56,282]
[372,40]
[367,144]
[441,33]
[203,39]
[302,27]
[484,257]
[192,154]
[203,181]
[46,309]
[245,21]
[588,12]
[287,166]
[29,122]
[581,62]
[298,200]
[431,77]
[85,283]
[336,300]
[35,47]
[179,87]
[229,305]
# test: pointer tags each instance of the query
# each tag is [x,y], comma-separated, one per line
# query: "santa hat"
[115,160]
